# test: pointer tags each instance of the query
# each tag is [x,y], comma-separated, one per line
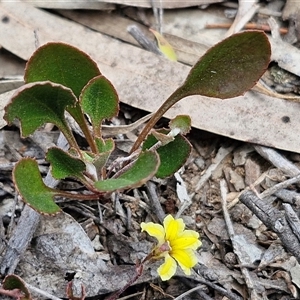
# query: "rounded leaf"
[13,282]
[35,193]
[181,123]
[61,63]
[231,67]
[105,145]
[35,104]
[99,100]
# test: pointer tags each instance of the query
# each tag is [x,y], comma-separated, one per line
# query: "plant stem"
[78,116]
[70,137]
[88,137]
[139,272]
[15,293]
[175,97]
[78,196]
[119,292]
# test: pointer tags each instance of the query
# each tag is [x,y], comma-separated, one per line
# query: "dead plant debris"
[239,188]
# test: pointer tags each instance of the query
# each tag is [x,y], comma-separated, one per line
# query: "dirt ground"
[240,193]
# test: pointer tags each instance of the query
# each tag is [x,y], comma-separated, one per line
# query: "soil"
[227,191]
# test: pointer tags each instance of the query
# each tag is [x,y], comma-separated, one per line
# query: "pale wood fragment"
[279,186]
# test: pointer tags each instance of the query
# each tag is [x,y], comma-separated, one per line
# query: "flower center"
[165,247]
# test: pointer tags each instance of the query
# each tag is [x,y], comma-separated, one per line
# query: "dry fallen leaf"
[145,80]
[61,246]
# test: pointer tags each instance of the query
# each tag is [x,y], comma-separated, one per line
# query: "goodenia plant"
[60,79]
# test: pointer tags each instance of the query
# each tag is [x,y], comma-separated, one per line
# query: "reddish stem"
[15,293]
[78,196]
[139,270]
[175,97]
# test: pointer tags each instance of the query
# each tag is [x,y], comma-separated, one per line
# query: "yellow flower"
[174,244]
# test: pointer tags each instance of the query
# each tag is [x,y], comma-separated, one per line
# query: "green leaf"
[231,67]
[172,155]
[226,70]
[99,101]
[38,103]
[64,64]
[12,282]
[61,63]
[35,193]
[105,145]
[142,170]
[181,123]
[64,165]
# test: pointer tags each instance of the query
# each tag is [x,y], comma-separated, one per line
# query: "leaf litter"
[243,252]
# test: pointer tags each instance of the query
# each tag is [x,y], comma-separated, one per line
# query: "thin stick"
[278,160]
[141,38]
[158,211]
[235,244]
[263,27]
[222,153]
[279,186]
[189,292]
[219,289]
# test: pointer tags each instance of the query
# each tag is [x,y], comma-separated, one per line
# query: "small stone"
[97,244]
[200,162]
[237,180]
[230,259]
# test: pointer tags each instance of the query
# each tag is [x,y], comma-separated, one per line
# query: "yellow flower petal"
[186,259]
[173,228]
[168,268]
[155,230]
[188,239]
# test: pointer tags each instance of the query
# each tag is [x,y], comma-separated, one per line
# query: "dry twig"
[278,160]
[158,211]
[273,219]
[236,246]
[277,187]
[222,153]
